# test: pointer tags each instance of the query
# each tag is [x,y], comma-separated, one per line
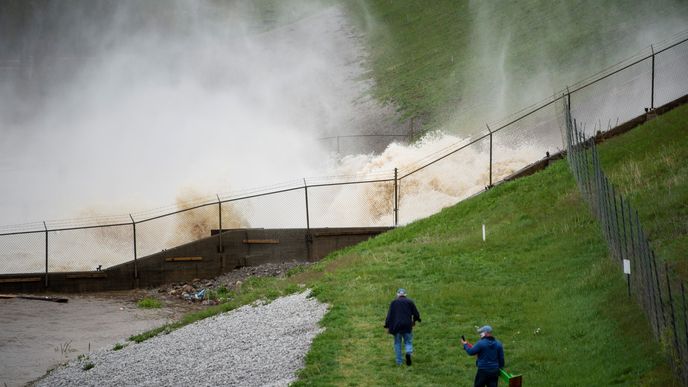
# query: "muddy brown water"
[36,336]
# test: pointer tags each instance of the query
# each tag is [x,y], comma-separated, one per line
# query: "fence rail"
[655,286]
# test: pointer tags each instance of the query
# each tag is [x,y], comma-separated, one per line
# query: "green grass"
[648,166]
[544,266]
[543,280]
[149,303]
[221,294]
[432,58]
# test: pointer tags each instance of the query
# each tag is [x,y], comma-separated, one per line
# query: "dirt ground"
[36,336]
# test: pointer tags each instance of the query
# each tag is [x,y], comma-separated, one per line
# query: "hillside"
[461,64]
[542,279]
[648,167]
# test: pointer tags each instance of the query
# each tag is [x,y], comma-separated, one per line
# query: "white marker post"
[483,233]
[627,271]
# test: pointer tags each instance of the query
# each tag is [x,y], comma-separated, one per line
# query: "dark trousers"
[488,378]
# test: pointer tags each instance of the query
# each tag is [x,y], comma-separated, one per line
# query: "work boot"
[408,359]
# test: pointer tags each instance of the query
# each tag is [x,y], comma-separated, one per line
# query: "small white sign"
[627,266]
[483,232]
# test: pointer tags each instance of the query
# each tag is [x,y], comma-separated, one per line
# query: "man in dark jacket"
[401,318]
[490,357]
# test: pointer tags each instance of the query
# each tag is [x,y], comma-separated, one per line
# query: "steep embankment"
[542,279]
[460,64]
[648,166]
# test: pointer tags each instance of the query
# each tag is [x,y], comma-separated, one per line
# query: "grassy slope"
[410,58]
[649,167]
[426,56]
[544,266]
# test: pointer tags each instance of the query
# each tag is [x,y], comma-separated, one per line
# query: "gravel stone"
[255,345]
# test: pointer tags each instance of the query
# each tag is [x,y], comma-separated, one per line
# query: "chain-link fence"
[659,291]
[439,175]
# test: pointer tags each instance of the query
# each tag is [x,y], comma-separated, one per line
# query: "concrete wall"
[205,258]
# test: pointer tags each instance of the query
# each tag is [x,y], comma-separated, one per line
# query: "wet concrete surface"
[36,336]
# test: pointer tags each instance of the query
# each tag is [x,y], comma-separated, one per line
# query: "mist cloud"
[156,97]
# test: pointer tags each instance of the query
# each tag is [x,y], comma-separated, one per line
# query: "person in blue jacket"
[490,354]
[401,318]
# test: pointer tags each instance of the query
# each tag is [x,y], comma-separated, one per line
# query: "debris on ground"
[38,298]
[205,291]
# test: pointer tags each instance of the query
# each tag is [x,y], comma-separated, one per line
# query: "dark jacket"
[402,315]
[490,353]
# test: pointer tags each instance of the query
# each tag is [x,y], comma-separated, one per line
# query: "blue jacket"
[490,353]
[402,315]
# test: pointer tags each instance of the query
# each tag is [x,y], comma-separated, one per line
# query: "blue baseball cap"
[401,292]
[485,329]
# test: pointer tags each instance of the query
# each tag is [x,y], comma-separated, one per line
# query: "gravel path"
[251,346]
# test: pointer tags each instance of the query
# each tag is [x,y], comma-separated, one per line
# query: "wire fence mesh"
[651,281]
[426,189]
[617,98]
[366,204]
[89,248]
[671,71]
[528,139]
[164,232]
[278,210]
[23,253]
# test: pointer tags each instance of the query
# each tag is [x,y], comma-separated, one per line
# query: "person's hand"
[464,342]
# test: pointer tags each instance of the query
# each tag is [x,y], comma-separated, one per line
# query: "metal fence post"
[598,180]
[651,285]
[652,89]
[671,305]
[136,271]
[617,229]
[624,245]
[577,158]
[589,164]
[46,253]
[584,165]
[608,214]
[641,262]
[219,205]
[656,300]
[642,255]
[575,153]
[396,199]
[490,130]
[631,245]
[308,221]
[659,288]
[685,313]
[309,237]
